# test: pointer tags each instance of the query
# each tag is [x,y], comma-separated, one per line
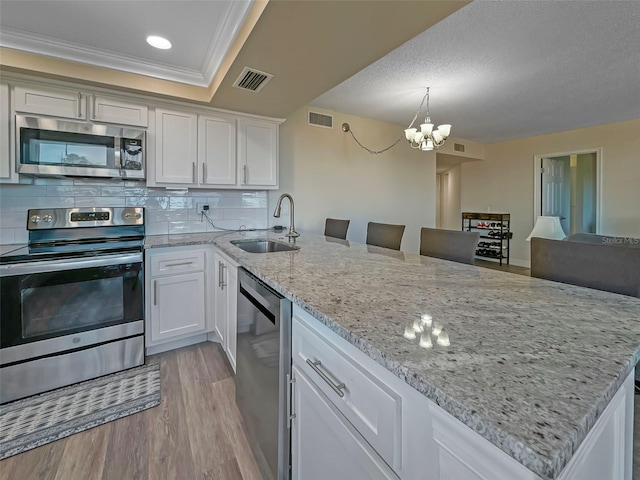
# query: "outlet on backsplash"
[202,207]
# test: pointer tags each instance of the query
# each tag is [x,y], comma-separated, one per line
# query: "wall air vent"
[252,79]
[320,119]
[458,147]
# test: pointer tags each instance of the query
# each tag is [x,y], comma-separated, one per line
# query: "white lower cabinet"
[353,419]
[373,418]
[324,444]
[226,302]
[177,304]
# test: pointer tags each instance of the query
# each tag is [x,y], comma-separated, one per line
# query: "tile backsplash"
[167,211]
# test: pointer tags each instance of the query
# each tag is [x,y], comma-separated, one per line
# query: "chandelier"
[427,138]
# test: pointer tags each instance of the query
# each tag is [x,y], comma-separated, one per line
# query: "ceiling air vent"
[458,147]
[252,79]
[320,119]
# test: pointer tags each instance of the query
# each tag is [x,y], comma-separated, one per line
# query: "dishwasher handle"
[265,311]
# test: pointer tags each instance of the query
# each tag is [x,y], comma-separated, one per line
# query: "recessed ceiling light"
[158,42]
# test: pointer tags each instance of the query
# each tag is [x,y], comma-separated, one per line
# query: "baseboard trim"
[183,342]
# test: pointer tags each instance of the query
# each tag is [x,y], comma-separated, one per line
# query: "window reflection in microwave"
[62,153]
[56,308]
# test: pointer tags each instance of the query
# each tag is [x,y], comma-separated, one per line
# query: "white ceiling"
[498,69]
[112,33]
[501,70]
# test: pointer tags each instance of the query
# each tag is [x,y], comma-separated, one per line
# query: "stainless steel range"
[72,300]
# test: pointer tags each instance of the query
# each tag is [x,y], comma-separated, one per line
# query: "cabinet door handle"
[222,284]
[219,274]
[336,387]
[79,104]
[290,415]
[155,292]
[94,115]
[244,177]
[178,264]
[204,173]
[193,172]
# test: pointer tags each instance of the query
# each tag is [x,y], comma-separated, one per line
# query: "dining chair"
[385,235]
[336,228]
[455,245]
[609,267]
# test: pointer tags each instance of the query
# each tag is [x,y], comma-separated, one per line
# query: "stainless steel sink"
[263,246]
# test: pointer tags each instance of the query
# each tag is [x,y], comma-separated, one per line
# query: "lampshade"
[547,227]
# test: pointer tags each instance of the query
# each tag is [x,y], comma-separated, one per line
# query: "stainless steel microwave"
[57,147]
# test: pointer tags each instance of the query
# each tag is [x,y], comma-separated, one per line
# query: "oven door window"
[52,304]
[48,309]
[47,147]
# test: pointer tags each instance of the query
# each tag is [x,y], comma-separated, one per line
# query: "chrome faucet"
[276,213]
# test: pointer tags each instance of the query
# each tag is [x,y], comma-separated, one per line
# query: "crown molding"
[218,49]
[232,23]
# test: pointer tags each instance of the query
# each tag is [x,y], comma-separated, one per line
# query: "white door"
[217,150]
[555,190]
[113,110]
[178,306]
[231,286]
[57,103]
[326,446]
[176,147]
[7,167]
[221,303]
[258,152]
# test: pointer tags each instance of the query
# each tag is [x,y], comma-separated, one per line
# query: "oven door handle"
[28,268]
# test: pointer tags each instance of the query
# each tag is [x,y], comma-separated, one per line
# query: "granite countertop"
[529,364]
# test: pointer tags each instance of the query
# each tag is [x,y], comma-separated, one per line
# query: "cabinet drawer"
[173,263]
[367,402]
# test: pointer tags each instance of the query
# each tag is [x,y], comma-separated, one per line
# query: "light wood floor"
[505,268]
[195,433]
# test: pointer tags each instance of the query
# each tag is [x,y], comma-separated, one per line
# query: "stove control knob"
[128,215]
[47,218]
[138,216]
[35,219]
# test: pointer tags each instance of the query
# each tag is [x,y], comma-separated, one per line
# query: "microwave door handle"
[117,152]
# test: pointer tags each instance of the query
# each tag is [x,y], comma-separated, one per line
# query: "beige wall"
[504,181]
[328,175]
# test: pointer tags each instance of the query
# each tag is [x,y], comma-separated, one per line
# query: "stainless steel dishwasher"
[263,369]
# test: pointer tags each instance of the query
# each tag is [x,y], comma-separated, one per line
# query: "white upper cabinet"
[118,111]
[258,153]
[198,150]
[217,150]
[57,103]
[187,146]
[73,104]
[176,148]
[7,171]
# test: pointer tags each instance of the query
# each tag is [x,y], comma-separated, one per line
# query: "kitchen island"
[528,364]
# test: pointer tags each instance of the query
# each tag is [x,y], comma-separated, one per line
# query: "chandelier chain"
[415,117]
[375,152]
